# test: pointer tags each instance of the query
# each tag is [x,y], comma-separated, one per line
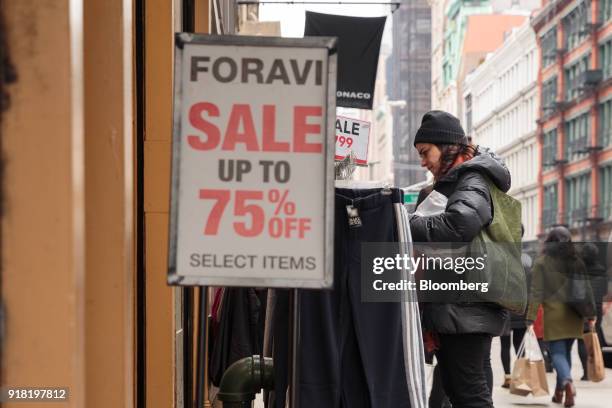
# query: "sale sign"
[252,165]
[352,135]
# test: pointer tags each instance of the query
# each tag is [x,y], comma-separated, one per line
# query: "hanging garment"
[414,353]
[355,354]
[239,331]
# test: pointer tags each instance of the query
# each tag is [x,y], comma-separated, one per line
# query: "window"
[605,192]
[605,58]
[549,47]
[549,95]
[549,212]
[605,123]
[573,74]
[605,10]
[549,150]
[577,198]
[575,25]
[576,137]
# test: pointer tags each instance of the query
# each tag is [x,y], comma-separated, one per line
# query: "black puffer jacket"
[468,211]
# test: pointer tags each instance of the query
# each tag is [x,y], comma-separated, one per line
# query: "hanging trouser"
[351,353]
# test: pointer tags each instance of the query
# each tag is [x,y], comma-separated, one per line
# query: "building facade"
[464,32]
[575,118]
[380,147]
[409,85]
[500,107]
[455,24]
[86,127]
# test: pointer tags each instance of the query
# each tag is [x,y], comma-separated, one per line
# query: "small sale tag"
[354,220]
[352,135]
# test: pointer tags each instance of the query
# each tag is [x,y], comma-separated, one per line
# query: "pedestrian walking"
[462,331]
[598,279]
[551,283]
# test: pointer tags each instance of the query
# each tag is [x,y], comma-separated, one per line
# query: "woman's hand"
[591,323]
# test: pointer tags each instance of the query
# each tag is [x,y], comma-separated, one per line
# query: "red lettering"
[211,131]
[240,115]
[269,144]
[301,129]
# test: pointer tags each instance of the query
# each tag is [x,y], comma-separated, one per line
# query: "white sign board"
[252,164]
[352,135]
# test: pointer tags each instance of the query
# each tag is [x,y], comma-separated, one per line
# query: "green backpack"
[500,242]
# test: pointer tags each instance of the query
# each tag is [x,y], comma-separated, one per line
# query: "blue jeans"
[560,354]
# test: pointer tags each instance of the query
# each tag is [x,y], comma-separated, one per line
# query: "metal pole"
[268,332]
[188,25]
[202,350]
[295,346]
[188,346]
[207,403]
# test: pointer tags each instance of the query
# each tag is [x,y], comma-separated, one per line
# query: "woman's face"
[430,156]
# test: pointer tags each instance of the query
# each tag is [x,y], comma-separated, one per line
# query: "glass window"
[577,199]
[605,10]
[573,84]
[605,123]
[549,152]
[549,95]
[575,25]
[549,212]
[549,47]
[576,137]
[605,192]
[605,58]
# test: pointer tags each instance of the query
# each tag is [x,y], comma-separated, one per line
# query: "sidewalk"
[588,394]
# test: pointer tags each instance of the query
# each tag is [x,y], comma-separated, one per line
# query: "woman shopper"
[597,277]
[463,331]
[550,285]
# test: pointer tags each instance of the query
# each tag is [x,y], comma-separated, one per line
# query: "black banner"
[358,48]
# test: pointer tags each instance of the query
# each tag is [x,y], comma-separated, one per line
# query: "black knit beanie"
[439,127]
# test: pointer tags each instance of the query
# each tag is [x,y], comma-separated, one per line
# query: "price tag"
[352,135]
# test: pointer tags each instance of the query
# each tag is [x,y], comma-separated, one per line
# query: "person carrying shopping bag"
[529,372]
[462,331]
[554,273]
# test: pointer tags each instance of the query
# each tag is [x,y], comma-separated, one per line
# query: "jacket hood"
[486,162]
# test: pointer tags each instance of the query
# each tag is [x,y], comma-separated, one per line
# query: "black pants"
[465,368]
[517,338]
[351,352]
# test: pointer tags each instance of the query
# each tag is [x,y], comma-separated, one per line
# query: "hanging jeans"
[351,353]
[561,356]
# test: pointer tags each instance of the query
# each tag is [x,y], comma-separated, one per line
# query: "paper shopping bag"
[529,374]
[595,363]
[537,380]
[520,378]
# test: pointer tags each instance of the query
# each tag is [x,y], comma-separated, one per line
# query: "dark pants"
[517,338]
[465,368]
[351,352]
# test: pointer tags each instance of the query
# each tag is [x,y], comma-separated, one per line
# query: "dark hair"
[559,243]
[450,153]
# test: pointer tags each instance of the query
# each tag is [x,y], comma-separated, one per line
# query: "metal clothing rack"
[395,4]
